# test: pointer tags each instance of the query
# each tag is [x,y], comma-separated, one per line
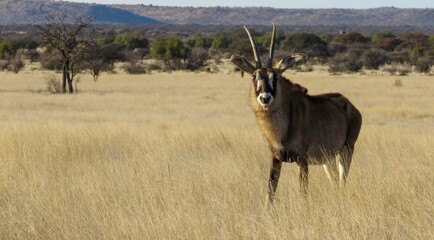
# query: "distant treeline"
[192,47]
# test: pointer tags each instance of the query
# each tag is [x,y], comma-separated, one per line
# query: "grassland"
[179,156]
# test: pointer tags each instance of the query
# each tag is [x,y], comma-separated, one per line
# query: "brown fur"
[289,122]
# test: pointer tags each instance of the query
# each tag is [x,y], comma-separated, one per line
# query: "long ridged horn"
[255,49]
[271,55]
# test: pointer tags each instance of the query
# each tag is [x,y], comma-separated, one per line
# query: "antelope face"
[264,79]
[265,85]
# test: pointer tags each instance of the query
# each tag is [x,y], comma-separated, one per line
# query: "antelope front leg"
[276,166]
[303,177]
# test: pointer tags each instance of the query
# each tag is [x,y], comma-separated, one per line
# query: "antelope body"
[299,127]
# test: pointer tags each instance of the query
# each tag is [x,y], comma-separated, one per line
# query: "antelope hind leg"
[331,170]
[344,164]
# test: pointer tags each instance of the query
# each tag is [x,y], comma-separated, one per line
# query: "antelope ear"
[243,64]
[288,61]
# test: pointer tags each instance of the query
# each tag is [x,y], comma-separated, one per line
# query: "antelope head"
[265,79]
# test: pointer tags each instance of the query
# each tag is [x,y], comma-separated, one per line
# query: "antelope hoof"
[268,202]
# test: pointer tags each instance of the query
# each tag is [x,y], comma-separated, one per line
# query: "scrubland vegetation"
[145,50]
[179,156]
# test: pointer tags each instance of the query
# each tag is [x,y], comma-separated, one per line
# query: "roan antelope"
[299,127]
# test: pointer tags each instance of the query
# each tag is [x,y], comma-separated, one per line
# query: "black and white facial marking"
[265,88]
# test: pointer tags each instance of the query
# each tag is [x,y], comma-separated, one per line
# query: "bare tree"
[63,35]
[101,58]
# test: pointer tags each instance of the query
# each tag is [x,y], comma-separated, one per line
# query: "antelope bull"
[301,128]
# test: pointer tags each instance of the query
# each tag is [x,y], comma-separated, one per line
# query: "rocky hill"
[34,11]
[387,16]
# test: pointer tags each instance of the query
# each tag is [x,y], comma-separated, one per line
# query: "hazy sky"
[280,3]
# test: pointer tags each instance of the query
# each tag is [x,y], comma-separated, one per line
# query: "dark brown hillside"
[34,11]
[387,16]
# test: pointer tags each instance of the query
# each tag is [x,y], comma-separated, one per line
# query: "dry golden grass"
[179,156]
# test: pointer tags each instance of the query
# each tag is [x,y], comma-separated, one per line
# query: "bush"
[51,61]
[53,84]
[15,64]
[134,68]
[3,64]
[307,43]
[336,48]
[343,64]
[344,67]
[198,59]
[404,70]
[6,48]
[388,44]
[351,38]
[417,54]
[354,54]
[373,59]
[29,54]
[423,65]
[153,67]
[382,36]
[398,57]
[172,51]
[131,42]
[221,41]
[303,67]
[201,42]
[392,69]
